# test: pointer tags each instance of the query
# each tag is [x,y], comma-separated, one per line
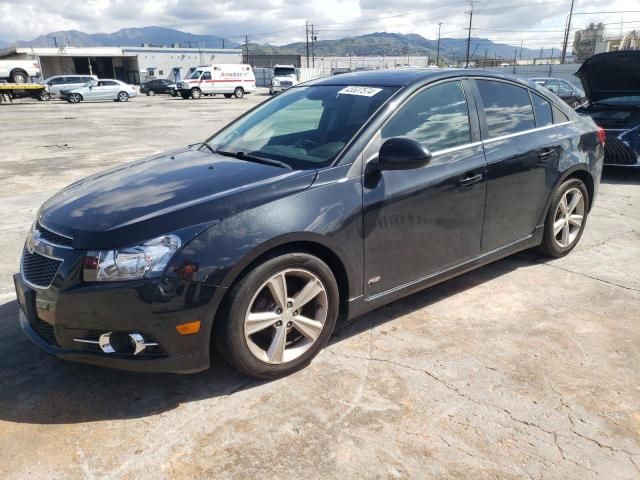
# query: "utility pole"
[438,49]
[486,53]
[541,50]
[246,47]
[307,32]
[223,43]
[566,34]
[313,52]
[521,44]
[469,35]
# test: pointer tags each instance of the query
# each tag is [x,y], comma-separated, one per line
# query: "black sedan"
[324,202]
[159,85]
[612,84]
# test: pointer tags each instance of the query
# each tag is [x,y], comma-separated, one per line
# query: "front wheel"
[151,93]
[566,218]
[278,316]
[44,96]
[238,92]
[228,95]
[75,98]
[196,93]
[123,97]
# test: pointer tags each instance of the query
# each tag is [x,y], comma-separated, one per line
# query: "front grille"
[286,84]
[52,237]
[45,330]
[39,270]
[616,152]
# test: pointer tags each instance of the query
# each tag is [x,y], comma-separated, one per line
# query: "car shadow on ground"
[38,389]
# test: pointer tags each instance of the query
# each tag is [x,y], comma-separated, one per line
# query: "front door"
[419,222]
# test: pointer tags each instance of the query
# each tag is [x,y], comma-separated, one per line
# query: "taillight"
[601,135]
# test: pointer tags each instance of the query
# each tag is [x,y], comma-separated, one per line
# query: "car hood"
[612,74]
[166,193]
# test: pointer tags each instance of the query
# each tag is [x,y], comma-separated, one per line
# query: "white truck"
[282,77]
[227,79]
[19,71]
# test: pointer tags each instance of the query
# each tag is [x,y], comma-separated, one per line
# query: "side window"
[507,107]
[542,109]
[552,86]
[86,79]
[565,89]
[437,117]
[559,116]
[206,76]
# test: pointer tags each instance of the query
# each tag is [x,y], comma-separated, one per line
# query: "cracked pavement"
[524,369]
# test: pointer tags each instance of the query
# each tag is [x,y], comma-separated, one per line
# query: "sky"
[535,23]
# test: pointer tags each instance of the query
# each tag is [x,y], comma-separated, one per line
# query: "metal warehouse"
[129,64]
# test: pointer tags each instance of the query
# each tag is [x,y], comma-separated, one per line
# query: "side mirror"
[402,154]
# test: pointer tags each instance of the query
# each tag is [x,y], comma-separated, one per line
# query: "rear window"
[507,107]
[542,109]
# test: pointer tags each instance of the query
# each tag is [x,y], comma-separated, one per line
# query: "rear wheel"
[238,92]
[123,97]
[228,95]
[18,76]
[151,93]
[196,93]
[566,218]
[44,96]
[278,316]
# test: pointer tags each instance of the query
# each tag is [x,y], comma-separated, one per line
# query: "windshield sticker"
[362,91]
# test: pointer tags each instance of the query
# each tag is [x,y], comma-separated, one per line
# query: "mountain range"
[379,43]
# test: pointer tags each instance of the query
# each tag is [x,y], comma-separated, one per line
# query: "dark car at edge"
[322,203]
[157,85]
[611,82]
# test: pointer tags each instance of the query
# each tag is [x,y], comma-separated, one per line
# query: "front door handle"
[470,179]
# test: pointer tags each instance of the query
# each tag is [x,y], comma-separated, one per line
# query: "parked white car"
[19,71]
[103,89]
[227,79]
[58,83]
[283,77]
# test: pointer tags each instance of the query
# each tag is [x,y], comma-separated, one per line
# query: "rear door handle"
[545,154]
[470,179]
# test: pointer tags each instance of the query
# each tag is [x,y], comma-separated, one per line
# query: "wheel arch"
[303,244]
[577,171]
[18,70]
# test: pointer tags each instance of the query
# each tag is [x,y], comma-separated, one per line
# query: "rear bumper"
[55,326]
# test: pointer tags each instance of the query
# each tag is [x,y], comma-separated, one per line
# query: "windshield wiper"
[205,144]
[252,158]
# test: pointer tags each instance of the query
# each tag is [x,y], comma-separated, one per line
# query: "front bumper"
[54,319]
[279,88]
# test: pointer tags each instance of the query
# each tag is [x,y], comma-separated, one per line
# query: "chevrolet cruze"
[322,203]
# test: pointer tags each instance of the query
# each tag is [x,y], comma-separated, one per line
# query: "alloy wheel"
[286,316]
[568,217]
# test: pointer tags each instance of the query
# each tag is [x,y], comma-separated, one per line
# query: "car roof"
[405,77]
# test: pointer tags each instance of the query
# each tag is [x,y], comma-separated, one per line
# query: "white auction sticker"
[362,91]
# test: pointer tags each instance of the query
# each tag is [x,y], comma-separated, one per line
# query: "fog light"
[189,328]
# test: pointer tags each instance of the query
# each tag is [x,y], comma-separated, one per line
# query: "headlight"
[275,82]
[131,263]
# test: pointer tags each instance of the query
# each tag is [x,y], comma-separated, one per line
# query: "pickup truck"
[19,71]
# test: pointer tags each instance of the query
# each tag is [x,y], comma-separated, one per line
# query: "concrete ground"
[526,368]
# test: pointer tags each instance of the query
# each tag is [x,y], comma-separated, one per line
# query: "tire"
[123,97]
[74,98]
[19,76]
[151,93]
[173,93]
[44,97]
[196,93]
[575,104]
[228,95]
[255,354]
[561,230]
[238,92]
[185,95]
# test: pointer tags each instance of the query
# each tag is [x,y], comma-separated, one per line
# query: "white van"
[227,79]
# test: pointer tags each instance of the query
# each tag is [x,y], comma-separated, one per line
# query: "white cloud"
[535,22]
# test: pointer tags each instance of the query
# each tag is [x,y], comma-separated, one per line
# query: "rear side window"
[507,107]
[559,116]
[542,109]
[437,117]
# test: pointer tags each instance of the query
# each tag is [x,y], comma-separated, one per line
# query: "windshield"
[196,74]
[283,71]
[304,127]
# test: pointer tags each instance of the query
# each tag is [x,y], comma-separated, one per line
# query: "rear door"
[521,158]
[418,222]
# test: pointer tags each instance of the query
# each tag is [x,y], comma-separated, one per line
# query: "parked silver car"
[103,89]
[57,83]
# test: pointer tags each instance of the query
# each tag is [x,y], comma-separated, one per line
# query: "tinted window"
[507,107]
[58,81]
[542,109]
[436,117]
[552,86]
[86,79]
[559,116]
[106,83]
[565,88]
[206,76]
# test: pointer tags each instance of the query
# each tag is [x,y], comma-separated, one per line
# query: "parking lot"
[526,368]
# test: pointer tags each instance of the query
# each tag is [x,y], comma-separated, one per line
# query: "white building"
[129,64]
